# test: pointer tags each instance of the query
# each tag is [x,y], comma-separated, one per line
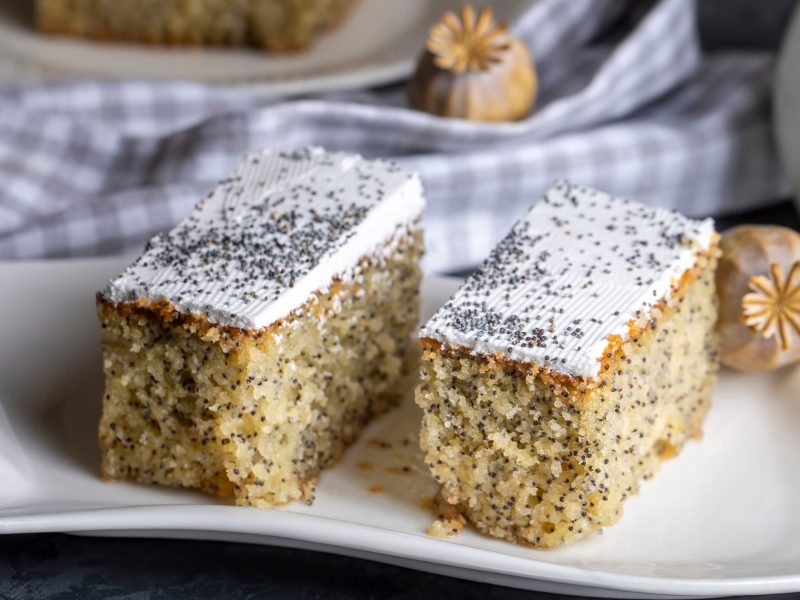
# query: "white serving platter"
[376,44]
[721,519]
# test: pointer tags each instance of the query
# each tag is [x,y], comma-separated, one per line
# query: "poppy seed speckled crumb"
[531,436]
[248,347]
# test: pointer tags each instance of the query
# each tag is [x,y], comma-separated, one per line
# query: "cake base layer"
[534,457]
[257,415]
[275,25]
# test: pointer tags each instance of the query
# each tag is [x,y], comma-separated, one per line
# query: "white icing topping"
[284,226]
[574,271]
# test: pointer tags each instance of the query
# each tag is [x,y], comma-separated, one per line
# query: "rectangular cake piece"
[275,25]
[246,348]
[580,355]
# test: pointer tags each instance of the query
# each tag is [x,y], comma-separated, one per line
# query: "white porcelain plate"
[720,519]
[377,43]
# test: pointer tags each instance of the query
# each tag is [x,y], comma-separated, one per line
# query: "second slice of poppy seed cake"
[580,355]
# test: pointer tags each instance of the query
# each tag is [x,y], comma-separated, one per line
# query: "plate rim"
[328,532]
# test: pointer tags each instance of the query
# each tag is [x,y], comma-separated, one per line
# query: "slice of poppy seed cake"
[580,355]
[246,348]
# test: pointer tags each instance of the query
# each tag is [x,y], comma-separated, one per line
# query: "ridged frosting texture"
[574,271]
[284,226]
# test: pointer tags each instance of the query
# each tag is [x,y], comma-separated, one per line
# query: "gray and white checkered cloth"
[97,167]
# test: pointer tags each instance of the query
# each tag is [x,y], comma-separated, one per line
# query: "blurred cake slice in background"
[249,346]
[275,25]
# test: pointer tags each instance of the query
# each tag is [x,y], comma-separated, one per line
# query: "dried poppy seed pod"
[472,68]
[758,282]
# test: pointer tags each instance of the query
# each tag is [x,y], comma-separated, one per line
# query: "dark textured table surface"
[62,567]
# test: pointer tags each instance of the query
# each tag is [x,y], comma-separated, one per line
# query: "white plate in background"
[377,43]
[720,519]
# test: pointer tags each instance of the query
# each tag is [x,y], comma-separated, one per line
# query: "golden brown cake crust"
[165,313]
[636,331]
